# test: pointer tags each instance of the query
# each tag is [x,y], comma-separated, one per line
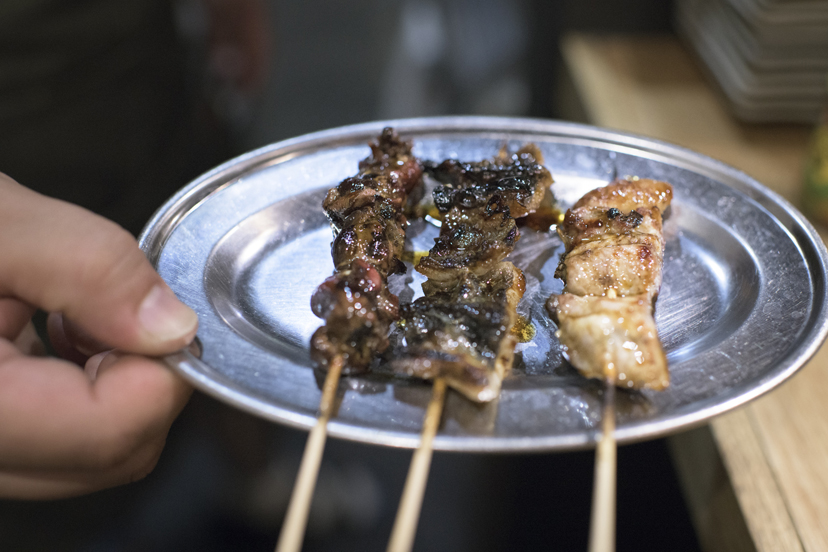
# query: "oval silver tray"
[741,309]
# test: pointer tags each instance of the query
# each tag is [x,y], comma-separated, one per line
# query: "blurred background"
[115,106]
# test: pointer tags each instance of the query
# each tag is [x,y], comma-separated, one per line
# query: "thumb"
[65,259]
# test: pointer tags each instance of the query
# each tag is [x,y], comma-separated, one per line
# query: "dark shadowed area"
[115,106]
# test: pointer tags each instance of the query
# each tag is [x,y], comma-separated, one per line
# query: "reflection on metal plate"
[742,305]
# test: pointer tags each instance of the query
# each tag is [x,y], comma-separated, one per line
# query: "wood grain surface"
[774,451]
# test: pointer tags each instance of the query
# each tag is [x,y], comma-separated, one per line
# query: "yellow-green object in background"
[815,196]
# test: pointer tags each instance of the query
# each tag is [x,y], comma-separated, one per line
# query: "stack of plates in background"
[770,57]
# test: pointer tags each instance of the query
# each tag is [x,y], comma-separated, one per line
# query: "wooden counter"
[757,478]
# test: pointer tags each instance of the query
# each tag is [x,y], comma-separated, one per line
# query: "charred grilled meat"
[612,269]
[471,240]
[519,179]
[359,309]
[461,328]
[464,333]
[366,214]
[375,233]
[391,173]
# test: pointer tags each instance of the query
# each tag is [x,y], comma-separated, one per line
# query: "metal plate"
[742,306]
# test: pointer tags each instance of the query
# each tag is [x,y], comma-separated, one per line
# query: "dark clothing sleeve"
[97,106]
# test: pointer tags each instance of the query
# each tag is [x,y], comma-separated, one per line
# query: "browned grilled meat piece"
[612,337]
[390,173]
[471,240]
[464,333]
[612,269]
[519,179]
[358,311]
[627,195]
[614,239]
[629,264]
[376,234]
[369,234]
[366,211]
[392,157]
[355,193]
[588,223]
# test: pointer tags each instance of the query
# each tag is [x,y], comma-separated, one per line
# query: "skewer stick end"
[408,513]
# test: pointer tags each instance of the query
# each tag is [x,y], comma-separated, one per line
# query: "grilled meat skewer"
[612,269]
[369,233]
[366,214]
[461,329]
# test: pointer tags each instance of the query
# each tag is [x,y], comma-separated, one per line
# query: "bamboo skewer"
[602,519]
[408,513]
[296,519]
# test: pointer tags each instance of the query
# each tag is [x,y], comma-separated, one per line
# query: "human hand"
[65,430]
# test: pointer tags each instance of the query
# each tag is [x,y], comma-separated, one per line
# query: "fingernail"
[95,363]
[165,317]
